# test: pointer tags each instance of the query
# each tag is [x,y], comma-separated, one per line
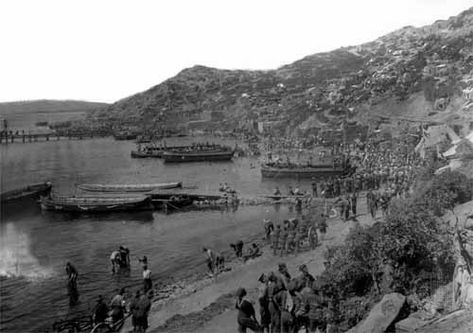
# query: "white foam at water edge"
[16,259]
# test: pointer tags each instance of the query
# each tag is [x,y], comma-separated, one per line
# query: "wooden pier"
[41,137]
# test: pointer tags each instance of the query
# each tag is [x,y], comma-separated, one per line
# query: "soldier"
[301,235]
[283,240]
[263,301]
[297,241]
[353,201]
[322,225]
[343,207]
[317,306]
[357,184]
[290,240]
[323,189]
[306,278]
[268,229]
[276,236]
[274,286]
[337,187]
[284,301]
[314,189]
[313,238]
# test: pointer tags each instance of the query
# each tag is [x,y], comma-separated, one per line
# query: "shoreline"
[171,289]
[203,305]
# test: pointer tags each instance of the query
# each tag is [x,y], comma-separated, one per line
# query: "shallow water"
[35,245]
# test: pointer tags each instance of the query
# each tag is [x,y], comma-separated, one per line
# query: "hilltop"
[421,74]
[45,105]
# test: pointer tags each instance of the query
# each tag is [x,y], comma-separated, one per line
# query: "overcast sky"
[105,50]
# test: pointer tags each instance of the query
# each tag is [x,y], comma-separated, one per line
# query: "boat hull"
[95,205]
[168,204]
[282,197]
[152,154]
[120,188]
[307,172]
[33,191]
[182,157]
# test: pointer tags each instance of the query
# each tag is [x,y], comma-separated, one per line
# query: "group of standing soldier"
[286,304]
[294,233]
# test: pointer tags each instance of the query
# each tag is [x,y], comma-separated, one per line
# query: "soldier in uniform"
[275,240]
[353,201]
[290,240]
[283,240]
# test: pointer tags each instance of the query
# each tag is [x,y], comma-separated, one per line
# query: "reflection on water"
[38,244]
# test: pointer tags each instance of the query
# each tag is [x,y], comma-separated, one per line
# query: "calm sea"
[35,245]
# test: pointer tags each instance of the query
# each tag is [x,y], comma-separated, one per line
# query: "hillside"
[421,74]
[46,105]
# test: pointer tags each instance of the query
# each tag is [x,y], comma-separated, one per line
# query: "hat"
[282,265]
[262,278]
[241,292]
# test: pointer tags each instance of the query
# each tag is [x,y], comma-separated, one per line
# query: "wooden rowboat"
[177,156]
[319,171]
[280,197]
[172,203]
[95,204]
[154,152]
[146,154]
[128,187]
[33,191]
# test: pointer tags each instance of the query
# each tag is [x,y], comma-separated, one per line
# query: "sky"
[105,50]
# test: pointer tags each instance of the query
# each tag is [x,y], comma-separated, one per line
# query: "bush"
[413,240]
[351,268]
[444,192]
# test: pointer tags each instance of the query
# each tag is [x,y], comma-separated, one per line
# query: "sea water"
[35,245]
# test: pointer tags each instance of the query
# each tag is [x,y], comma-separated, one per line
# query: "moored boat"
[175,202]
[33,191]
[281,197]
[146,154]
[95,204]
[219,153]
[152,151]
[300,171]
[128,187]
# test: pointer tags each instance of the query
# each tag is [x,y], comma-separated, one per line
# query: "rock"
[469,223]
[410,324]
[382,315]
[460,321]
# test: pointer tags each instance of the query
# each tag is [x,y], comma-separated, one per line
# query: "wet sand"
[208,305]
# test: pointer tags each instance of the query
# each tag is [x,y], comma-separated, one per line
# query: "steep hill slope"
[425,71]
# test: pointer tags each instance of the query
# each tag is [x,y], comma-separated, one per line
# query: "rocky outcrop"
[382,315]
[456,322]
